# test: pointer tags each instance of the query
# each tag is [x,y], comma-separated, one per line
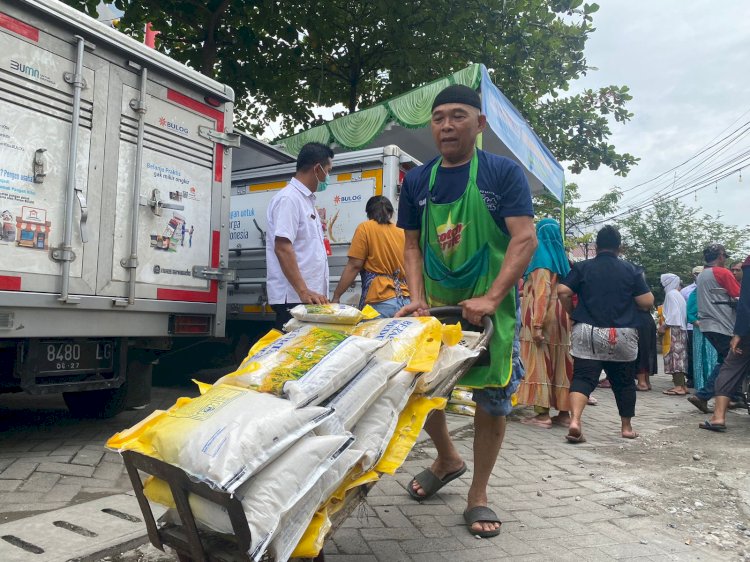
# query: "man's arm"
[415,282]
[726,281]
[284,251]
[522,245]
[645,301]
[352,269]
[565,296]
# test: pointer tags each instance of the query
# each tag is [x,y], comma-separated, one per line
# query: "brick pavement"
[49,460]
[558,501]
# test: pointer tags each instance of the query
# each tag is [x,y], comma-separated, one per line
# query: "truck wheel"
[104,403]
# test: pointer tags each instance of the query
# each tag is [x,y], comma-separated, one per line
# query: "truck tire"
[104,403]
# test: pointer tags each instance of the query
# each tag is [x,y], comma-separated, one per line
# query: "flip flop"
[718,427]
[430,483]
[571,438]
[702,405]
[592,401]
[482,514]
[674,393]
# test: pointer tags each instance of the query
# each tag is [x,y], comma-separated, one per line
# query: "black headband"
[458,94]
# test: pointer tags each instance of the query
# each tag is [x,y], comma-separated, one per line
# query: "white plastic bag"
[294,523]
[374,429]
[351,403]
[332,372]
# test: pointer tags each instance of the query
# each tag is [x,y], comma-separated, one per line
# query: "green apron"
[463,251]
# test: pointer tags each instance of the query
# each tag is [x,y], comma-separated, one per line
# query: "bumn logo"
[176,127]
[23,68]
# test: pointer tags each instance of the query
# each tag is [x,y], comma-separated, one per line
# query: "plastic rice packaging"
[354,399]
[461,409]
[449,360]
[332,313]
[374,429]
[307,365]
[462,395]
[272,493]
[295,522]
[222,437]
[412,340]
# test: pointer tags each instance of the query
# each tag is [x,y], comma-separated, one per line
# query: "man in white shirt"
[296,260]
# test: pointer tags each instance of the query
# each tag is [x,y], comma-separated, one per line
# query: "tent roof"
[404,119]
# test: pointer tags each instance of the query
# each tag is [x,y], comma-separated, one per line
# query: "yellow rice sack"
[411,340]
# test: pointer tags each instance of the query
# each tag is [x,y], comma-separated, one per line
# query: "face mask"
[322,185]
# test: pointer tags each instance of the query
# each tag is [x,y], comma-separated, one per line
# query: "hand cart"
[193,544]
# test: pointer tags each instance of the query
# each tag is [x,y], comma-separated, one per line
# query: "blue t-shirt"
[501,182]
[606,287]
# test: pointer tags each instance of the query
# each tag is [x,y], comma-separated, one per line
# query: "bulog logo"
[176,127]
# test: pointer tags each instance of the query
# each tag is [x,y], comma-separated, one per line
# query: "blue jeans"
[721,343]
[390,307]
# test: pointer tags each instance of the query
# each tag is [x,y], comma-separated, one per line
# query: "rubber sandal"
[482,514]
[592,401]
[570,438]
[718,427]
[699,403]
[430,483]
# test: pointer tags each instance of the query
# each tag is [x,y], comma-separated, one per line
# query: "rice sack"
[222,437]
[332,313]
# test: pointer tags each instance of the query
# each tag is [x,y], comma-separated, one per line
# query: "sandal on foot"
[564,422]
[430,483]
[699,403]
[720,427]
[482,514]
[572,438]
[592,401]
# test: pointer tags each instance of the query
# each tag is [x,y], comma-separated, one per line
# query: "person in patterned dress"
[675,317]
[545,331]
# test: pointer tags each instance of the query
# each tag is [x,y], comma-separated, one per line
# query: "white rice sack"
[375,428]
[223,436]
[294,523]
[332,313]
[270,494]
[412,340]
[326,359]
[349,404]
[448,361]
[294,324]
[332,372]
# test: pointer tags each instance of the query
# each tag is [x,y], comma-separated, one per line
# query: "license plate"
[76,356]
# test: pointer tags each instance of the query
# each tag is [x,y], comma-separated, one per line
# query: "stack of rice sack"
[307,418]
[461,402]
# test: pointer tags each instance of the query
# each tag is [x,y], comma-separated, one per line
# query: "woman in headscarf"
[545,331]
[675,318]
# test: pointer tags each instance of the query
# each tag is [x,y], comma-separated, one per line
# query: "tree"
[282,58]
[670,237]
[578,221]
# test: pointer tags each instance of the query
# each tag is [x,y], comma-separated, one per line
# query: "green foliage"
[283,58]
[577,220]
[670,237]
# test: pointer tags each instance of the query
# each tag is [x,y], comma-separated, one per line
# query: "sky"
[686,66]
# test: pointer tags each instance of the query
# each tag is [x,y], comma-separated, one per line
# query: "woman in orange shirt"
[377,254]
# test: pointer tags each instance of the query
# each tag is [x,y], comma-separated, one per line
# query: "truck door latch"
[157,204]
[230,140]
[214,273]
[40,164]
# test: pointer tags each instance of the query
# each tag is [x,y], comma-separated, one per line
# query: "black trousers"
[282,314]
[620,374]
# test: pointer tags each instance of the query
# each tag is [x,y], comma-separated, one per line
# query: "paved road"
[607,499]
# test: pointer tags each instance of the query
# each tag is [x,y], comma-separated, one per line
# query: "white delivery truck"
[356,176]
[114,198]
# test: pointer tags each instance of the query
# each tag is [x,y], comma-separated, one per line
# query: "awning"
[404,121]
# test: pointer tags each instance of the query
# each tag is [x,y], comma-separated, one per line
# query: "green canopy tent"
[404,121]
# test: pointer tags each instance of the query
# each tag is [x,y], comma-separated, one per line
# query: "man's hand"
[477,308]
[538,336]
[734,345]
[310,297]
[414,309]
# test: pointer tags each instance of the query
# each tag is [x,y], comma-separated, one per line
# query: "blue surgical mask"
[322,185]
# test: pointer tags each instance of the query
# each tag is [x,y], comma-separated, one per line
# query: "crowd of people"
[465,235]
